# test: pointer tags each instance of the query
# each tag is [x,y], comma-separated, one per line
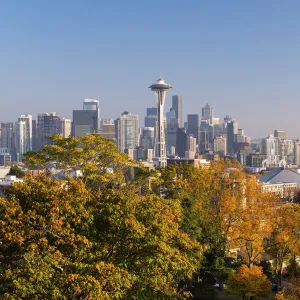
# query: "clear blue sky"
[242,57]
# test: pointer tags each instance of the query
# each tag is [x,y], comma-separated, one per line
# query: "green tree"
[91,237]
[18,172]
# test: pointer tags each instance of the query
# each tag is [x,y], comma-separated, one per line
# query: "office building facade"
[177,106]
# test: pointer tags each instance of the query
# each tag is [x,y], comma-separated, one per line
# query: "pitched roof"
[281,175]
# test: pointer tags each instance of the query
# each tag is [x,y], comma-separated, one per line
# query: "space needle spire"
[160,88]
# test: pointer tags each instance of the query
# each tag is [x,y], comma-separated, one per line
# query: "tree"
[285,238]
[255,224]
[292,293]
[90,237]
[248,282]
[15,170]
[223,209]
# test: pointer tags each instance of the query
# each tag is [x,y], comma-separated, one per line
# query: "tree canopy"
[117,231]
[68,239]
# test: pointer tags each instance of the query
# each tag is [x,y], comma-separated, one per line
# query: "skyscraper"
[150,119]
[84,122]
[28,120]
[280,134]
[40,131]
[172,125]
[23,136]
[191,143]
[7,135]
[65,126]
[20,140]
[269,147]
[47,124]
[34,135]
[52,126]
[127,131]
[160,88]
[207,113]
[148,138]
[93,104]
[193,126]
[108,129]
[181,142]
[232,131]
[220,145]
[177,106]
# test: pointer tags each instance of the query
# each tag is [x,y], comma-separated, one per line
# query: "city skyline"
[241,58]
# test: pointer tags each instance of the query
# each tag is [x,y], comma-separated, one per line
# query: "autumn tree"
[248,282]
[93,237]
[292,292]
[224,209]
[285,239]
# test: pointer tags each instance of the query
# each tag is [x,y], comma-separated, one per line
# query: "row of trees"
[110,235]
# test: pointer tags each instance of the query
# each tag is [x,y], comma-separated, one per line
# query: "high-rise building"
[52,126]
[286,150]
[65,126]
[191,143]
[7,135]
[85,122]
[28,120]
[160,88]
[127,131]
[108,129]
[93,104]
[148,138]
[220,145]
[21,140]
[151,118]
[193,126]
[297,153]
[181,142]
[34,135]
[5,156]
[48,124]
[207,113]
[172,125]
[40,131]
[177,106]
[269,147]
[232,131]
[280,134]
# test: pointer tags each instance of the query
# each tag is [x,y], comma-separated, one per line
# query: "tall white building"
[286,150]
[28,120]
[297,153]
[93,104]
[65,125]
[23,136]
[20,140]
[269,147]
[127,131]
[191,143]
[220,145]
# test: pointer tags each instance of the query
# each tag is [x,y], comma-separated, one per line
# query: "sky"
[241,57]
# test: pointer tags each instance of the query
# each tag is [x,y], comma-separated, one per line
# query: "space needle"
[160,88]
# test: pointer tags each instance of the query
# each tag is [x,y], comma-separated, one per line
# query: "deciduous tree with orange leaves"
[248,282]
